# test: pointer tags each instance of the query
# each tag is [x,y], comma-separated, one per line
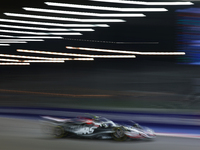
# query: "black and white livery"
[90,126]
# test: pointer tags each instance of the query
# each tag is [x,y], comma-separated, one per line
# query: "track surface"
[19,134]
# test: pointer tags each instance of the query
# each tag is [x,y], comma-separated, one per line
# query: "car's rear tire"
[59,132]
[118,134]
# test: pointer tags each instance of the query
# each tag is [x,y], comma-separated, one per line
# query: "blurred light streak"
[43,61]
[59,60]
[40,33]
[111,41]
[80,59]
[7,36]
[22,32]
[20,64]
[53,24]
[33,37]
[41,37]
[90,40]
[78,55]
[127,52]
[11,40]
[62,18]
[33,61]
[82,13]
[52,94]
[43,29]
[144,3]
[107,8]
[14,60]
[31,57]
[4,44]
[66,33]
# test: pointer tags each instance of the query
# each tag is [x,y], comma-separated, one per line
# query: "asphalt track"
[22,134]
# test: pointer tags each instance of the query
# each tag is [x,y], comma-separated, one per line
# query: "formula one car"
[90,126]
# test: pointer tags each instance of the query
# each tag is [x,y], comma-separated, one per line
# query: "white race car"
[90,126]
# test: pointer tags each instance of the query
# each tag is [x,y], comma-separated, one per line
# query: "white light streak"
[43,61]
[20,64]
[29,57]
[41,37]
[83,59]
[62,18]
[43,58]
[127,52]
[7,36]
[22,32]
[33,61]
[4,44]
[40,33]
[162,53]
[107,8]
[53,24]
[144,3]
[12,60]
[11,40]
[82,13]
[81,29]
[77,55]
[33,37]
[43,29]
[69,33]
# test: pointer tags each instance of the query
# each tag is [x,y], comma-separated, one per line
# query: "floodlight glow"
[144,3]
[20,64]
[127,52]
[62,18]
[41,37]
[43,29]
[82,13]
[53,24]
[40,33]
[77,55]
[4,44]
[106,8]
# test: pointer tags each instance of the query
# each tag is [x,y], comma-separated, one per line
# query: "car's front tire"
[119,134]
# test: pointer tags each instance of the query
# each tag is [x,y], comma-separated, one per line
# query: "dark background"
[144,82]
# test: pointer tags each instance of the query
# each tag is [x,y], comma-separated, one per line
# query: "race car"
[92,126]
